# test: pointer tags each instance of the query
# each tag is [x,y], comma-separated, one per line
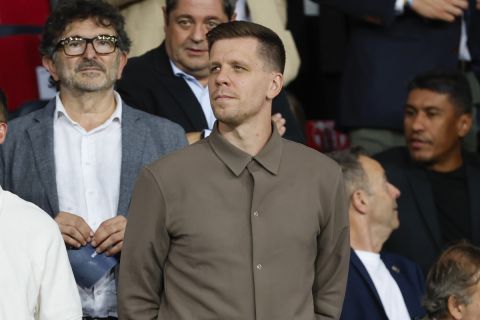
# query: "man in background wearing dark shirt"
[439,180]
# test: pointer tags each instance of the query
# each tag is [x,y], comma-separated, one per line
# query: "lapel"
[473,185]
[423,194]
[179,90]
[358,265]
[41,140]
[133,148]
[399,277]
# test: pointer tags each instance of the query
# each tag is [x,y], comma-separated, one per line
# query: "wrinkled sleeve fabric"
[333,255]
[145,251]
[58,297]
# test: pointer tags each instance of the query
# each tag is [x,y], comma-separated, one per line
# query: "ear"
[455,308]
[122,62]
[359,201]
[3,131]
[276,85]
[464,124]
[48,63]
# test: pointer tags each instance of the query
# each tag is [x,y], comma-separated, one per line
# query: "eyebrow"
[189,16]
[423,107]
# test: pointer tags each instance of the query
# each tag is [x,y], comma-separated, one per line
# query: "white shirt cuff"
[399,7]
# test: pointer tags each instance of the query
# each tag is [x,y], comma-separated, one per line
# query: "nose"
[418,122]
[221,77]
[89,51]
[198,33]
[394,191]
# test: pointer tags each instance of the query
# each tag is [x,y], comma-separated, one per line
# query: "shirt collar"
[116,115]
[182,74]
[236,160]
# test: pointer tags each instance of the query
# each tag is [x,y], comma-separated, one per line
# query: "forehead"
[87,28]
[236,48]
[371,167]
[200,9]
[424,98]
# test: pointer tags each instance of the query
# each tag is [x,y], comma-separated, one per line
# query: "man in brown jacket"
[243,224]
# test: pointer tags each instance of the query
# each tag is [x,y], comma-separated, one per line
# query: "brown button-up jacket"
[214,233]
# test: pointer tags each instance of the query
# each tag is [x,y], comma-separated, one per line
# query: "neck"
[203,80]
[453,162]
[249,138]
[366,237]
[90,109]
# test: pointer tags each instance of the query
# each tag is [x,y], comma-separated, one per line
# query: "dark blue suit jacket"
[362,301]
[385,51]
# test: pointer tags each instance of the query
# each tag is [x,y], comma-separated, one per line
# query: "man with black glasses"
[78,157]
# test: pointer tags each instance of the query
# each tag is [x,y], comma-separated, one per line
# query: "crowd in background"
[400,78]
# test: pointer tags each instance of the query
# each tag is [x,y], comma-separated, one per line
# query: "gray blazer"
[27,165]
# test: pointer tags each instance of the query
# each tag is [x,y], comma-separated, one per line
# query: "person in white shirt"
[78,157]
[36,281]
[380,285]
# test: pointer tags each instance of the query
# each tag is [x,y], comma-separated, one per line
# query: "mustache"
[89,63]
[420,138]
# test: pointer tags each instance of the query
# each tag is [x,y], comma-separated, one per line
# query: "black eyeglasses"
[76,46]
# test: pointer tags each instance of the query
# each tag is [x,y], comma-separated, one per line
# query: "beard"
[89,76]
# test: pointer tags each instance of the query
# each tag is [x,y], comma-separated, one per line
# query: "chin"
[421,157]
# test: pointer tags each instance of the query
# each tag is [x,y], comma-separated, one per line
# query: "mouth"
[418,143]
[90,69]
[222,97]
[196,51]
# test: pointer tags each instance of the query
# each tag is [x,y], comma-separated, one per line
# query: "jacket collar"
[237,160]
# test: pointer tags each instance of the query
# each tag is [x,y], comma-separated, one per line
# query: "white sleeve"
[58,297]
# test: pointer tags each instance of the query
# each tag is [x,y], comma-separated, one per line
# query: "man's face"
[90,72]
[240,82]
[433,128]
[382,197]
[185,34]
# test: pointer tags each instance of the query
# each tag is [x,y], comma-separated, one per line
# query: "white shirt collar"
[116,115]
[182,74]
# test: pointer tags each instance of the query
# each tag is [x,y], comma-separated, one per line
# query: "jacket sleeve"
[381,10]
[333,256]
[144,253]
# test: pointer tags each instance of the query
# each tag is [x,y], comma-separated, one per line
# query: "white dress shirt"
[387,288]
[200,92]
[87,166]
[36,281]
